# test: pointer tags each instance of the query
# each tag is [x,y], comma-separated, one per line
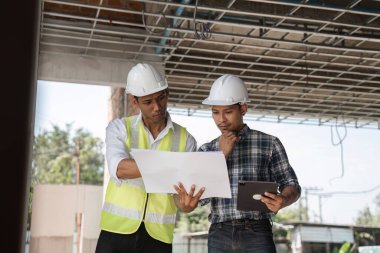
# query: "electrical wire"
[150,31]
[339,143]
[346,192]
[201,30]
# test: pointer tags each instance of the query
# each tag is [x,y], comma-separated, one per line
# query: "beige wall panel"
[53,210]
[53,217]
[92,205]
[51,244]
[89,245]
[86,70]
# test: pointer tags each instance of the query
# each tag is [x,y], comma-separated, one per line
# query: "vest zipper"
[146,204]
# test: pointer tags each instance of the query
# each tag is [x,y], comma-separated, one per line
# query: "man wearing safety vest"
[132,220]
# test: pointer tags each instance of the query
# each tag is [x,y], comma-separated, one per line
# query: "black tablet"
[249,193]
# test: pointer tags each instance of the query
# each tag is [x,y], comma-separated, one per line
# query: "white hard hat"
[227,90]
[143,79]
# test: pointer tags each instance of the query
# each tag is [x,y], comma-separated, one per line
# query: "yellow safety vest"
[127,204]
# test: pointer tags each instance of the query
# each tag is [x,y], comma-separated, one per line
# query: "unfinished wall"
[53,217]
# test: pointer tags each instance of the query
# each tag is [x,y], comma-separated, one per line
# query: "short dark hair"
[166,91]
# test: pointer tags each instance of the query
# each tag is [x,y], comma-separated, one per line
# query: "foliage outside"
[288,214]
[291,214]
[367,218]
[58,153]
[195,221]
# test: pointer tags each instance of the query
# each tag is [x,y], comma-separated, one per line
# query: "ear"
[243,109]
[133,100]
[135,105]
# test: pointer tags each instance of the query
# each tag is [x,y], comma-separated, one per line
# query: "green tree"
[289,214]
[58,153]
[377,210]
[365,217]
[194,221]
[197,220]
[345,248]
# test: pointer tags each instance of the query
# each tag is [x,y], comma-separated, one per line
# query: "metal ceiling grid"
[310,60]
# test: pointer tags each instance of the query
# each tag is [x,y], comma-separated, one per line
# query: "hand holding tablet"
[250,193]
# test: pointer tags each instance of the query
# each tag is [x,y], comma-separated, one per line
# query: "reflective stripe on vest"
[123,212]
[162,219]
[124,205]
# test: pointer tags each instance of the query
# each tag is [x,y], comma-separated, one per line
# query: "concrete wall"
[85,69]
[53,217]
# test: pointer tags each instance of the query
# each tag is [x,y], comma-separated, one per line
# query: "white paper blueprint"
[160,170]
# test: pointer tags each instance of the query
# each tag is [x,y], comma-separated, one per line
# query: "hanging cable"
[150,31]
[201,30]
[339,143]
[347,192]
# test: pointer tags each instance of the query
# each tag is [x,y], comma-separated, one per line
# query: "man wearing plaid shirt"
[251,156]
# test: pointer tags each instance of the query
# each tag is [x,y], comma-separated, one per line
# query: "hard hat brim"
[142,94]
[221,102]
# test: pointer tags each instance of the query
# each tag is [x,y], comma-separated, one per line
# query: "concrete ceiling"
[301,60]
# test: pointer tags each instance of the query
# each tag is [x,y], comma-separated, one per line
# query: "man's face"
[229,118]
[153,107]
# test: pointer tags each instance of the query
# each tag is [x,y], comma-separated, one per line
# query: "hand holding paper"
[187,201]
[160,170]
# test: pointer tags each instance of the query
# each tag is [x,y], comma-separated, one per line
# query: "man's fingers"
[231,136]
[180,185]
[188,198]
[270,195]
[191,192]
[177,189]
[272,201]
[266,200]
[200,192]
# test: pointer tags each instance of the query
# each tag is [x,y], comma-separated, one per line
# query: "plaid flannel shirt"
[255,157]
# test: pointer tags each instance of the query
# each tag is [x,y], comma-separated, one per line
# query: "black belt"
[246,221]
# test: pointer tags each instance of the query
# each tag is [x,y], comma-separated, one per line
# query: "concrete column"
[121,104]
[117,103]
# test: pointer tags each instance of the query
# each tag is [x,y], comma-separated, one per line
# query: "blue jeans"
[240,236]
